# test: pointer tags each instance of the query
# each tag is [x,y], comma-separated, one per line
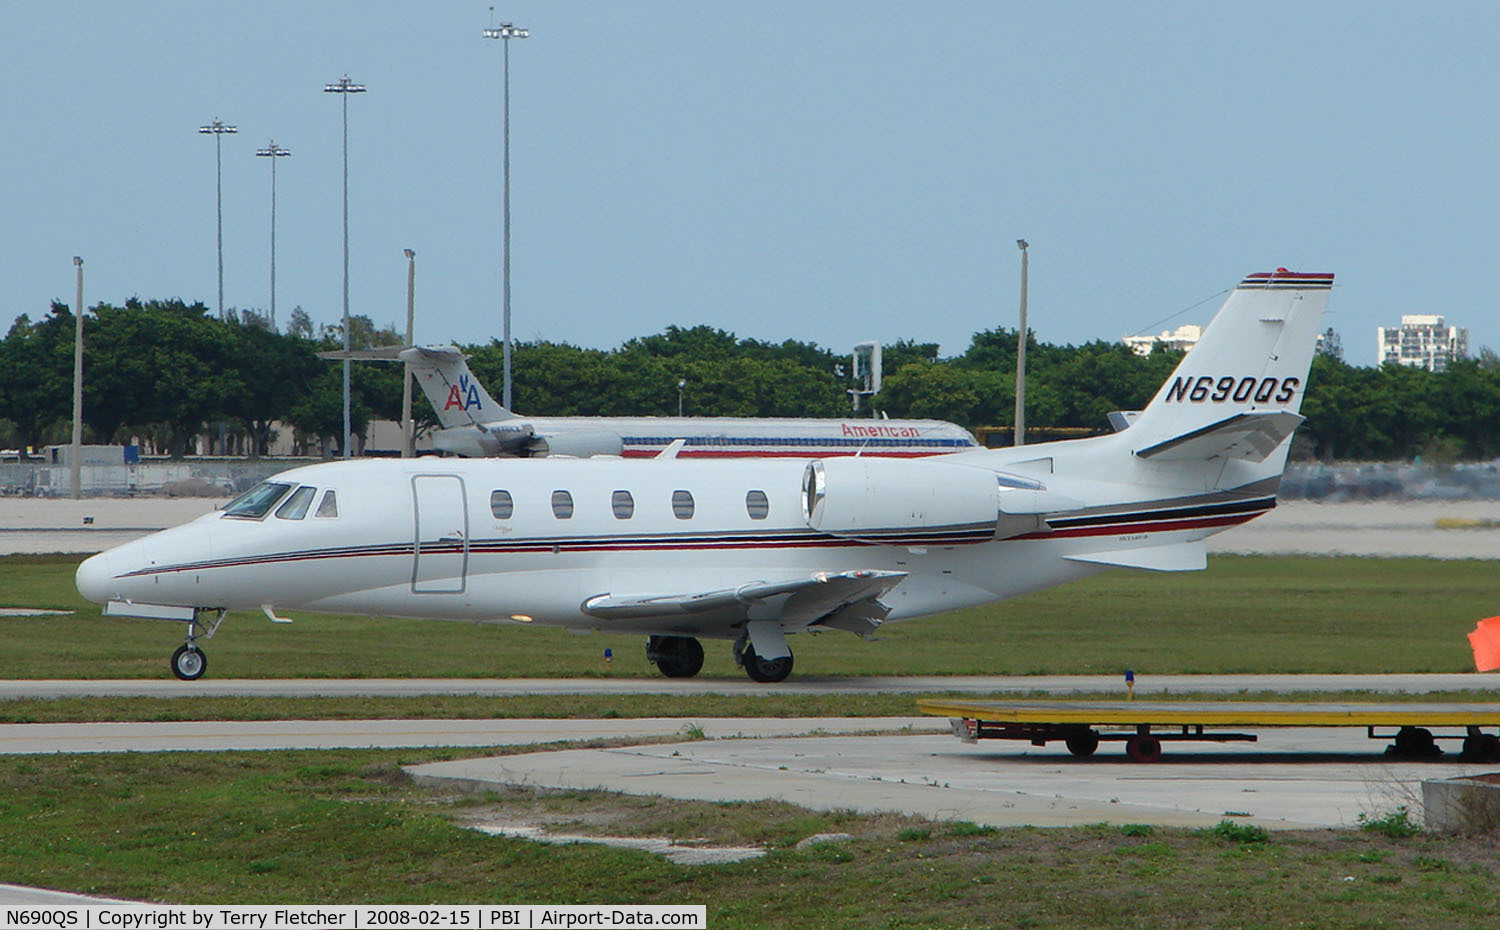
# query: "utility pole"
[76,471]
[505,33]
[1020,435]
[344,87]
[408,432]
[218,130]
[273,152]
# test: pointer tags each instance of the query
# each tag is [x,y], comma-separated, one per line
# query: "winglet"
[670,452]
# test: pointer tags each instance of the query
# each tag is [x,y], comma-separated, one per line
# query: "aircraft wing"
[841,600]
[1250,436]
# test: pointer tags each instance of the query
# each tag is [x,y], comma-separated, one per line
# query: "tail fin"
[1237,392]
[457,397]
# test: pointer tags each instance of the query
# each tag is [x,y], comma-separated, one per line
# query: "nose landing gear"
[188,662]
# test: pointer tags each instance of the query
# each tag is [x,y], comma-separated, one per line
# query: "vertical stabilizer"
[1237,392]
[457,397]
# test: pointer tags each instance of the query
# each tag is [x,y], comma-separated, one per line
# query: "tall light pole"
[505,33]
[273,152]
[408,437]
[218,129]
[344,87]
[1020,434]
[76,466]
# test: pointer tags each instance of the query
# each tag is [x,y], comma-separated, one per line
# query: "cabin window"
[623,504]
[562,505]
[258,501]
[682,505]
[501,505]
[296,506]
[757,505]
[328,507]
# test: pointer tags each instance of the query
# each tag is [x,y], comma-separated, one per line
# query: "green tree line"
[165,372]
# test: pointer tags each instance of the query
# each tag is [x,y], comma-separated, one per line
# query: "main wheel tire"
[1143,748]
[767,670]
[189,663]
[676,656]
[1083,743]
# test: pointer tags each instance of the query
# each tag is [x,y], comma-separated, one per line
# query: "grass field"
[1245,614]
[350,827]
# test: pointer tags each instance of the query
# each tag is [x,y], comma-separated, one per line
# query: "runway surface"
[915,685]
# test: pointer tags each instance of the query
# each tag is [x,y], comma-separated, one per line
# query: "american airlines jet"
[749,551]
[474,425]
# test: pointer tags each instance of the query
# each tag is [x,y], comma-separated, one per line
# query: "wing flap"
[808,598]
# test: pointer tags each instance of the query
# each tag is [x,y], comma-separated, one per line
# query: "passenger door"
[440,560]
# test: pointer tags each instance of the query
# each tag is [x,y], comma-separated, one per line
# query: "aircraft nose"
[94,578]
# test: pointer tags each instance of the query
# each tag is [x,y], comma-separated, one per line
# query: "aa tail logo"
[464,395]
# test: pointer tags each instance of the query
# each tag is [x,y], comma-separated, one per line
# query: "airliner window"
[501,505]
[562,505]
[624,505]
[328,507]
[682,505]
[258,501]
[296,506]
[757,505]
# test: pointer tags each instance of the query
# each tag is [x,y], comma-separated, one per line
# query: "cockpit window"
[258,501]
[328,506]
[296,506]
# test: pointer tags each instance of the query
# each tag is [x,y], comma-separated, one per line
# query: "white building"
[1183,337]
[1422,341]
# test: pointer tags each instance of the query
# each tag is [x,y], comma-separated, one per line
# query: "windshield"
[258,501]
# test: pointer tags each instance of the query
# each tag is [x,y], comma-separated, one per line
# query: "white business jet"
[749,550]
[472,424]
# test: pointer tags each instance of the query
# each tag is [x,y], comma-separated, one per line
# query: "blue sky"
[815,170]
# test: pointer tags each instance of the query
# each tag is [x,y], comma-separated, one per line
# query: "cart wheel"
[1481,747]
[1143,748]
[1083,743]
[1415,743]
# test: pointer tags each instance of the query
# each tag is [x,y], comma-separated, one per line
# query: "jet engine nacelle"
[577,443]
[862,497]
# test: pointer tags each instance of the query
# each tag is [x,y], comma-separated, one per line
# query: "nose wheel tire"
[189,663]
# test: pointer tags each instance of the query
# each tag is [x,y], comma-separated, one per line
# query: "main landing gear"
[682,656]
[675,656]
[188,662]
[761,669]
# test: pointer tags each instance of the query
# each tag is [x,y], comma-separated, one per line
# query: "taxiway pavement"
[1293,778]
[739,686]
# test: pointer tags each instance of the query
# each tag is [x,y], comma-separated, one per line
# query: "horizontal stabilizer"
[1252,436]
[810,598]
[1180,557]
[413,354]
